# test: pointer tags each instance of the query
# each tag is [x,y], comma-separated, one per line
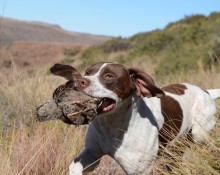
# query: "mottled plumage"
[69,105]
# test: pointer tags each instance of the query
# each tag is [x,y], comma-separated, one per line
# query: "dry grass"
[27,146]
[30,147]
[189,158]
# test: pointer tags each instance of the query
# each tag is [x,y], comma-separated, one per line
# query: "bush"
[116,45]
[212,57]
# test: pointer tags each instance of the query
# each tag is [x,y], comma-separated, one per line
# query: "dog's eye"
[108,76]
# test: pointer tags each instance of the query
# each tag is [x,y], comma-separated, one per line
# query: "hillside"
[29,55]
[182,46]
[28,45]
[15,30]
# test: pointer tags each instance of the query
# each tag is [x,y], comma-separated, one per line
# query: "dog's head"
[111,82]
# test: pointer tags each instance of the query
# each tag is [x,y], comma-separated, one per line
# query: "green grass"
[179,47]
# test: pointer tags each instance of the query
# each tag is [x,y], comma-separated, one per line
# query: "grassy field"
[47,148]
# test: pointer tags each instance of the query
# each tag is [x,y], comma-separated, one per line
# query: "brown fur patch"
[173,116]
[178,89]
[119,81]
[93,69]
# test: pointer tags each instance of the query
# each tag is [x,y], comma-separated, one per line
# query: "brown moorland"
[29,45]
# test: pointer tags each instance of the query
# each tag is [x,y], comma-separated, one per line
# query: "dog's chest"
[139,145]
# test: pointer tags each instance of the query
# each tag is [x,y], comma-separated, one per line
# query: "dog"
[134,116]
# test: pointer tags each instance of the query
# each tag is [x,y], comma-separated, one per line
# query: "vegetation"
[31,147]
[182,46]
[70,55]
[42,32]
[185,51]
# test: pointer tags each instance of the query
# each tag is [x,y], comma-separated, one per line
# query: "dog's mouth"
[105,105]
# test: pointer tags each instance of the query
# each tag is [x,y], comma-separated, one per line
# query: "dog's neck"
[121,129]
[125,112]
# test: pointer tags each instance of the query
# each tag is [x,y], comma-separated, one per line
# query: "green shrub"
[116,45]
[212,57]
[71,52]
[177,48]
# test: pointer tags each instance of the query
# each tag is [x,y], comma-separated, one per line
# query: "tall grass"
[27,146]
[30,147]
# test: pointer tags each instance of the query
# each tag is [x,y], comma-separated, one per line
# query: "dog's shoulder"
[178,89]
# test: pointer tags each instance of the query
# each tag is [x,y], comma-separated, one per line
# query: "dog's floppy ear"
[66,71]
[144,84]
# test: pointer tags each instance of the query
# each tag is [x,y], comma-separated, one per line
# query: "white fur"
[96,89]
[203,112]
[138,149]
[214,93]
[75,168]
[129,133]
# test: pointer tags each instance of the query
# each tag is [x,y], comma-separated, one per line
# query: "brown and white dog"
[135,116]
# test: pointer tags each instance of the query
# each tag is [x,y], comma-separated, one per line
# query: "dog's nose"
[84,83]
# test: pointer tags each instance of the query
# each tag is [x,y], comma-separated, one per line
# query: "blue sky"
[113,17]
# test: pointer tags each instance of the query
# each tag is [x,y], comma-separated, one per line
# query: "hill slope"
[31,44]
[28,55]
[14,30]
[182,46]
